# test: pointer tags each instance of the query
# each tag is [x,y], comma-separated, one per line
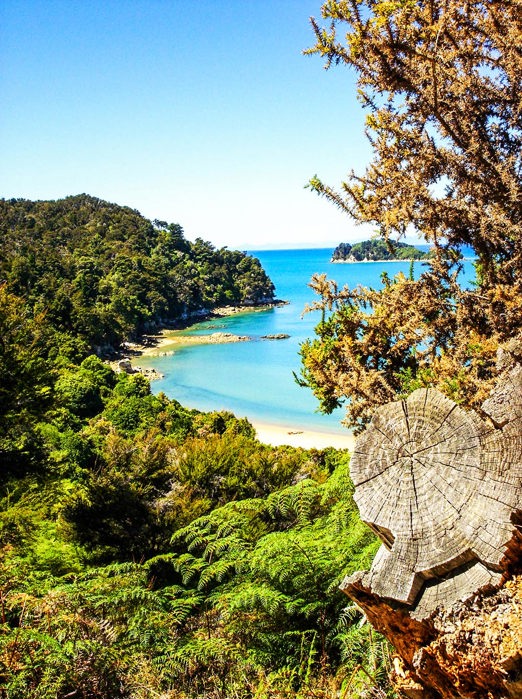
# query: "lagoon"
[256,379]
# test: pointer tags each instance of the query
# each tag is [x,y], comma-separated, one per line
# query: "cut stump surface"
[431,480]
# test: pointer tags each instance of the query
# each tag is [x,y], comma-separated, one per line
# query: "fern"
[218,571]
[297,503]
[250,596]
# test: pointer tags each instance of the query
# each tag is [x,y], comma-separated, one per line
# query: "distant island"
[377,251]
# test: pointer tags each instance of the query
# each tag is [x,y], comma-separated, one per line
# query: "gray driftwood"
[439,486]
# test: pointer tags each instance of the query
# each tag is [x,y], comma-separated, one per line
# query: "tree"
[26,386]
[104,273]
[440,81]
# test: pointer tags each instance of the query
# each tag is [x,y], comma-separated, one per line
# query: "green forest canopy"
[147,549]
[103,273]
[377,250]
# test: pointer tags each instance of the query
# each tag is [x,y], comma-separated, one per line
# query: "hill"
[104,273]
[376,251]
[147,549]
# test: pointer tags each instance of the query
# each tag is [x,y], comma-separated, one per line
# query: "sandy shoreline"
[277,435]
[167,341]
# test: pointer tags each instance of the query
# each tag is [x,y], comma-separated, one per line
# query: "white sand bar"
[277,435]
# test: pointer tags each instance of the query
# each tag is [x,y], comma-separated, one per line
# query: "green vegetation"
[147,550]
[377,250]
[102,273]
[439,81]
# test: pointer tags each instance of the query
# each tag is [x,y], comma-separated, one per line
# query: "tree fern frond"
[250,596]
[217,571]
[188,566]
[296,502]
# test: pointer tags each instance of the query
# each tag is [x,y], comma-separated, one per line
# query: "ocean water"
[255,379]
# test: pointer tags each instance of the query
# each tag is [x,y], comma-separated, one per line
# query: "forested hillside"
[377,250]
[148,550]
[103,273]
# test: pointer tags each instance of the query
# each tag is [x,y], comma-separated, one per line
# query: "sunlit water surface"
[256,379]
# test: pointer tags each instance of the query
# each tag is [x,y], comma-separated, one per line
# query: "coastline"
[167,341]
[406,259]
[169,338]
[278,435]
[365,261]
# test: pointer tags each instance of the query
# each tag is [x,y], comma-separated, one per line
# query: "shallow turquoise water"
[255,379]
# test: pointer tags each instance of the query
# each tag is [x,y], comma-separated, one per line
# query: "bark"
[442,488]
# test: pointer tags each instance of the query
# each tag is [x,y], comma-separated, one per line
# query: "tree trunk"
[442,488]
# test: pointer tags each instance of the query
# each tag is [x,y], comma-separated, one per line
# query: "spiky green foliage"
[439,81]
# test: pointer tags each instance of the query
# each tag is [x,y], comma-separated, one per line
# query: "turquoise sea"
[255,379]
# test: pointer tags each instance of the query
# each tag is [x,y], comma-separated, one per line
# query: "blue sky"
[203,113]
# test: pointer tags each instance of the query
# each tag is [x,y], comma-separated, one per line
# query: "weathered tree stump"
[431,482]
[442,488]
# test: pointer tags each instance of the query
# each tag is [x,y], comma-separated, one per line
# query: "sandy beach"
[164,342]
[277,435]
[169,341]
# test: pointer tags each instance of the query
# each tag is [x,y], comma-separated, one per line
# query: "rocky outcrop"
[222,338]
[442,488]
[124,365]
[275,336]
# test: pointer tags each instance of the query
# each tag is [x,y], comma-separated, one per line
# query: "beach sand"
[165,342]
[277,435]
[168,341]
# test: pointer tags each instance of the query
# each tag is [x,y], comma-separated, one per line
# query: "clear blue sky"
[203,113]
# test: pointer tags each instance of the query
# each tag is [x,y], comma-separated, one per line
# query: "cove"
[256,379]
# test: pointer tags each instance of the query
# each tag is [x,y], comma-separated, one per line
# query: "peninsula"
[106,275]
[377,251]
